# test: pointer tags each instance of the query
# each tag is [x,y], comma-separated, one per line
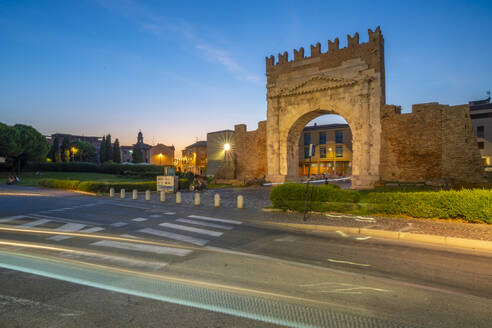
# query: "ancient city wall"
[251,157]
[434,142]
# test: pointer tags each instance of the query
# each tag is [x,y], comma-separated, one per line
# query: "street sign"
[167,183]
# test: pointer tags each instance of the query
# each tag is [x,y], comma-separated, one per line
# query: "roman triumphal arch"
[348,82]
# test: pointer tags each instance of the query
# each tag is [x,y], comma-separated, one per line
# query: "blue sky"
[179,69]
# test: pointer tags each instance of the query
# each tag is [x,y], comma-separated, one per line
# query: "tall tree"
[84,151]
[65,150]
[21,143]
[116,151]
[55,150]
[137,154]
[109,148]
[102,150]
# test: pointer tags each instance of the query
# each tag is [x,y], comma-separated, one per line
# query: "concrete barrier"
[135,194]
[240,201]
[178,197]
[122,193]
[217,200]
[197,199]
[147,194]
[163,196]
[111,192]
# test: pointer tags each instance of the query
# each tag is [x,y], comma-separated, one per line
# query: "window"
[322,152]
[339,151]
[307,139]
[322,138]
[480,131]
[306,152]
[339,136]
[480,145]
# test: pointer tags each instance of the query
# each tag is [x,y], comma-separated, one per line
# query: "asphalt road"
[72,260]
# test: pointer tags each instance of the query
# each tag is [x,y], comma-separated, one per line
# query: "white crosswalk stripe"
[35,223]
[206,224]
[139,219]
[115,259]
[118,224]
[213,219]
[68,227]
[170,213]
[191,229]
[89,230]
[143,247]
[12,218]
[175,236]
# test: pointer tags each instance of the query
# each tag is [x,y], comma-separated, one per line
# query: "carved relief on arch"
[312,84]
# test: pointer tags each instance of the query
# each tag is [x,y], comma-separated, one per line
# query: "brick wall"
[251,157]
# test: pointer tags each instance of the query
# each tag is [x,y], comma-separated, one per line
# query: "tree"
[54,153]
[137,154]
[116,151]
[21,143]
[102,150]
[65,150]
[84,151]
[109,148]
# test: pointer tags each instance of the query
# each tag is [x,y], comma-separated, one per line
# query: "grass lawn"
[30,179]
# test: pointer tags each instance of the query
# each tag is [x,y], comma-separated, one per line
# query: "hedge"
[474,205]
[95,186]
[321,197]
[113,168]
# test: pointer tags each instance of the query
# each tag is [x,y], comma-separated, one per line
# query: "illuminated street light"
[160,158]
[227,147]
[74,151]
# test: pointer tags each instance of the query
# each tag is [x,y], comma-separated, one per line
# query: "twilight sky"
[179,69]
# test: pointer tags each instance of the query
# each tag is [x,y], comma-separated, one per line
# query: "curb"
[483,245]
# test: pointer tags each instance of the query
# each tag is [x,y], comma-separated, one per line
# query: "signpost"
[167,183]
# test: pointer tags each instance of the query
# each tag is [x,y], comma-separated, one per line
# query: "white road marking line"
[129,236]
[363,238]
[35,223]
[206,224]
[143,247]
[11,218]
[69,227]
[191,229]
[139,219]
[354,290]
[155,216]
[213,219]
[175,236]
[348,262]
[118,224]
[326,283]
[334,216]
[286,239]
[115,259]
[170,213]
[341,233]
[89,230]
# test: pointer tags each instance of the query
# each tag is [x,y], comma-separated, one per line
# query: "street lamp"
[160,158]
[227,147]
[74,150]
[333,161]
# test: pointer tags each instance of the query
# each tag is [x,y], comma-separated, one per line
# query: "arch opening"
[332,137]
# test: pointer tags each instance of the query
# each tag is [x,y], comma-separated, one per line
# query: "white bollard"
[147,195]
[122,193]
[163,196]
[240,201]
[135,194]
[197,199]
[111,192]
[217,200]
[178,197]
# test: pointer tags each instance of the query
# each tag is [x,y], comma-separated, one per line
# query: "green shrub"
[103,187]
[112,168]
[59,184]
[474,205]
[321,197]
[183,184]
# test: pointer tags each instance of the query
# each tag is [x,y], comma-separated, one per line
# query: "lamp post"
[333,160]
[227,147]
[160,159]
[73,150]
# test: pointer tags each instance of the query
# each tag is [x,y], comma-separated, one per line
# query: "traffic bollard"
[163,196]
[147,195]
[240,201]
[178,197]
[135,194]
[197,199]
[111,192]
[217,200]
[122,193]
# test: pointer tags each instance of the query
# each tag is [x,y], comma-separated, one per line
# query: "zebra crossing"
[195,230]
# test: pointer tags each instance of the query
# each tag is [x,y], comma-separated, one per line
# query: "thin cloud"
[161,27]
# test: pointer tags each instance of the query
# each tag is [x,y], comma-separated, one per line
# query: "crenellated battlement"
[375,41]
